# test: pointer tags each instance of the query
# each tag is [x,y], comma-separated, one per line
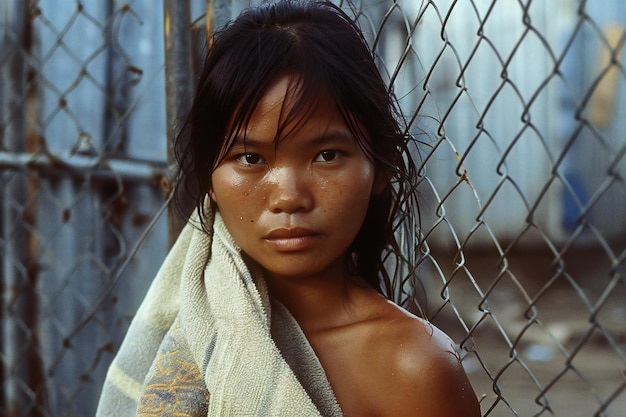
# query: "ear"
[381,179]
[212,195]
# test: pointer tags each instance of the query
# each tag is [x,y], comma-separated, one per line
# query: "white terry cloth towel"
[207,342]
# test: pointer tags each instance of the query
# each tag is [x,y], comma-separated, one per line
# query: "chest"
[353,369]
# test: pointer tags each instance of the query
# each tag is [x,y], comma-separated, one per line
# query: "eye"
[251,159]
[327,156]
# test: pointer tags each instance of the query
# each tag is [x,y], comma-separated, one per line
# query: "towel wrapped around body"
[207,340]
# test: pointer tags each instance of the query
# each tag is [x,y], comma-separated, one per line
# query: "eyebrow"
[331,135]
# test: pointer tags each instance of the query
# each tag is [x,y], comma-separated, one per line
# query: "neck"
[316,302]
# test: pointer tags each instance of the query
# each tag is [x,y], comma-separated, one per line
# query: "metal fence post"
[178,83]
[23,389]
[218,12]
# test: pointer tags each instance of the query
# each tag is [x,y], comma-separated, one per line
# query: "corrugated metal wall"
[87,147]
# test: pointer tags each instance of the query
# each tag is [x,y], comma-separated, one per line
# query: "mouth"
[291,240]
[285,233]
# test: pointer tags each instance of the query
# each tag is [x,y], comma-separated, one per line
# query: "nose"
[290,190]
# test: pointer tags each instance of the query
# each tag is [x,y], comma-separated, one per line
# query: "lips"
[292,239]
[287,233]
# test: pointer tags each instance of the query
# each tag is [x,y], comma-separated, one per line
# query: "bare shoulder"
[419,370]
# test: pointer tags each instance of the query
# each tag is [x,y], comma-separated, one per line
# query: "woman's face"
[294,208]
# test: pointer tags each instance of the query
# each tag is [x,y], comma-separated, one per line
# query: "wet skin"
[295,208]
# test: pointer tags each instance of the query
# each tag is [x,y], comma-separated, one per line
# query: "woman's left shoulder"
[420,368]
[416,341]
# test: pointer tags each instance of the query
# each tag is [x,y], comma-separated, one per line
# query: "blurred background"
[520,108]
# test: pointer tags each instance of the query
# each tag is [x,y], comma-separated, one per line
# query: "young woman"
[273,304]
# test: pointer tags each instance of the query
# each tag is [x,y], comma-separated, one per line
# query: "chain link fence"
[519,106]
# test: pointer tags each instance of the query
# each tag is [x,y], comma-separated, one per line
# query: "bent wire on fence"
[523,198]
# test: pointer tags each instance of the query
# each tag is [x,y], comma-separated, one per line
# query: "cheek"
[351,193]
[361,183]
[235,197]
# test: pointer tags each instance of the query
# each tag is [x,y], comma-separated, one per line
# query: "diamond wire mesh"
[517,105]
[82,162]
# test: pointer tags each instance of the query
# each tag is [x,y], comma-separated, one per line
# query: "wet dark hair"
[320,46]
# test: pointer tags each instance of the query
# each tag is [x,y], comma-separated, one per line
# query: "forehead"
[281,92]
[288,106]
